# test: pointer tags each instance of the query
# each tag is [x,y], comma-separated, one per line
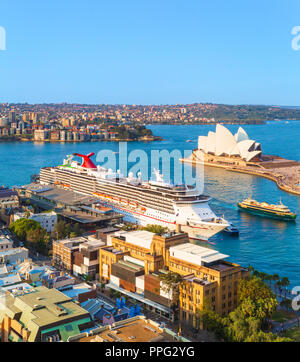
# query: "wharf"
[285,173]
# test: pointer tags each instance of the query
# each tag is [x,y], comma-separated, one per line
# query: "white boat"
[147,202]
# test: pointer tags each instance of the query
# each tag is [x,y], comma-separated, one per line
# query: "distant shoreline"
[143,139]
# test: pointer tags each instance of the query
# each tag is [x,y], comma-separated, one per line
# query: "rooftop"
[92,243]
[76,290]
[13,251]
[72,243]
[46,306]
[59,195]
[131,330]
[85,218]
[196,254]
[140,238]
[4,240]
[112,250]
[10,280]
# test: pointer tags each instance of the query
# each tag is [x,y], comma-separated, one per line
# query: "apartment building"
[14,256]
[5,244]
[134,263]
[209,279]
[147,246]
[108,256]
[63,252]
[47,220]
[86,259]
[41,135]
[9,199]
[40,315]
[79,255]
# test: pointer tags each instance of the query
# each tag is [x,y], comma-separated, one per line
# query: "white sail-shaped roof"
[223,143]
[257,146]
[202,143]
[241,135]
[211,142]
[224,140]
[252,154]
[234,151]
[244,147]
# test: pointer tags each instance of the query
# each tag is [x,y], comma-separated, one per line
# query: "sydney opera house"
[223,144]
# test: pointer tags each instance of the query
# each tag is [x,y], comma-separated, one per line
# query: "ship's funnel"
[86,162]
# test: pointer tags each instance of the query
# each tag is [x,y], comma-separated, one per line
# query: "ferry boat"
[141,202]
[280,211]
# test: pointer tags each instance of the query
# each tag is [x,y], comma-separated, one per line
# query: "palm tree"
[250,268]
[268,278]
[285,282]
[279,285]
[275,278]
[256,273]
[262,276]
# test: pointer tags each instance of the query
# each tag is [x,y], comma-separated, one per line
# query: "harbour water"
[269,245]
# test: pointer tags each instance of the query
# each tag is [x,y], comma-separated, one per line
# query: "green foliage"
[64,230]
[132,133]
[213,322]
[171,282]
[156,229]
[31,232]
[257,299]
[244,324]
[266,337]
[22,227]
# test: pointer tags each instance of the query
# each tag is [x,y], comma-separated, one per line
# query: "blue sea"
[269,245]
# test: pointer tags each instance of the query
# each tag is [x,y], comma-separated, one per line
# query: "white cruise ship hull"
[141,202]
[203,231]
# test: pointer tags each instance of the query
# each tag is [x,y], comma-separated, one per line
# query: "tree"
[36,235]
[265,337]
[285,283]
[286,304]
[31,232]
[257,299]
[21,227]
[279,285]
[64,230]
[156,229]
[275,277]
[213,322]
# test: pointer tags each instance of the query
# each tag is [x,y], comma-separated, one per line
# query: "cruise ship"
[141,202]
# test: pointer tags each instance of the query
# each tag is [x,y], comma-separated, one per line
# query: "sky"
[150,52]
